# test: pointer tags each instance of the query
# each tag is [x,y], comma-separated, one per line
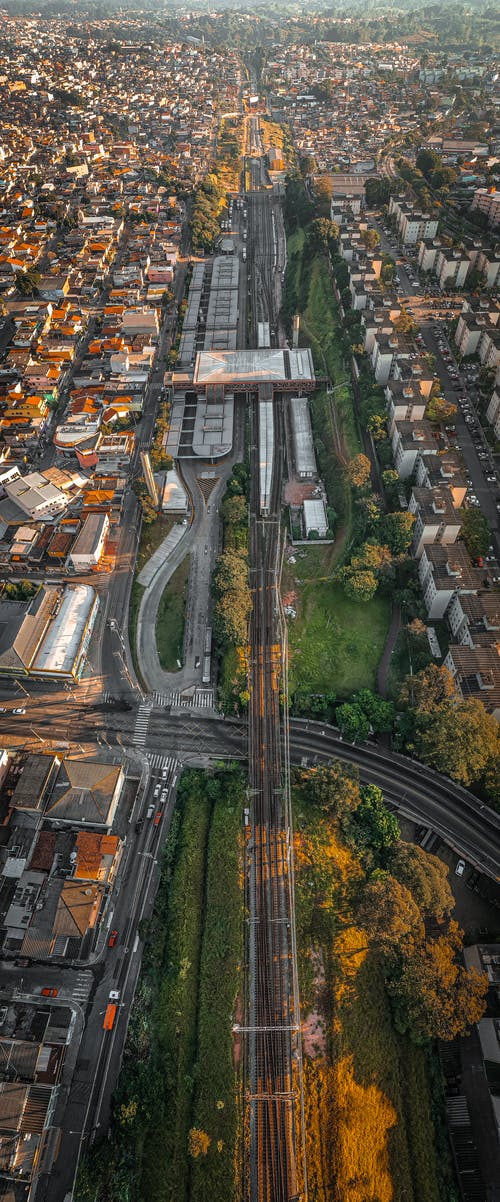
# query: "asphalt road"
[463,822]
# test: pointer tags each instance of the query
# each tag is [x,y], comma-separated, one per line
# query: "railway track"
[272,1018]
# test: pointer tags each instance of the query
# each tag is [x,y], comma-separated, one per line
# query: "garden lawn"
[171,618]
[133,614]
[335,643]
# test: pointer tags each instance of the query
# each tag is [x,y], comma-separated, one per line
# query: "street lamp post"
[25,691]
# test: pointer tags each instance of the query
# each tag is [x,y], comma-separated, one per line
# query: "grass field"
[133,613]
[151,537]
[335,643]
[171,618]
[178,1071]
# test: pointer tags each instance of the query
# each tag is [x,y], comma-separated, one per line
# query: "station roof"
[253,367]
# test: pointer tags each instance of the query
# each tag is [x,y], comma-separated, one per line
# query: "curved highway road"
[464,822]
[416,791]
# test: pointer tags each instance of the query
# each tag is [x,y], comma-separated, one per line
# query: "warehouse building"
[50,639]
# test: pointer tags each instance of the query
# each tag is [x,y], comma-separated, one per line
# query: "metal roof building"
[303,446]
[266,453]
[213,427]
[315,518]
[51,638]
[245,370]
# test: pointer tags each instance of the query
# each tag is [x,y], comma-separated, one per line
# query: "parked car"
[112,938]
[460,868]
[48,991]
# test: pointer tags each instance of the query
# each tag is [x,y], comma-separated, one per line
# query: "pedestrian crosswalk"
[167,763]
[81,988]
[200,699]
[141,725]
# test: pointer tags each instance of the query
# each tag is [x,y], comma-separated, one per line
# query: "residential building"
[436,519]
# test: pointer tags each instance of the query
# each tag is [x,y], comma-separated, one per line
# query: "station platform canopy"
[247,370]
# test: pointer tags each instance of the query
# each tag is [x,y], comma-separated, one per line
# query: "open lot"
[335,644]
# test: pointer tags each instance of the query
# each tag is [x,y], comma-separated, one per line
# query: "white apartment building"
[487,200]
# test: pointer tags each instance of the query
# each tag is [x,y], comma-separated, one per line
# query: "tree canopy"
[435,996]
[372,826]
[426,876]
[476,532]
[458,737]
[389,912]
[358,470]
[396,529]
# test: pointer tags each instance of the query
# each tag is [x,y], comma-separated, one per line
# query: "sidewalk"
[161,555]
[390,643]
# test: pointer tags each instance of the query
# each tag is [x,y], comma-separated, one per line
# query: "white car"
[460,868]
[18,711]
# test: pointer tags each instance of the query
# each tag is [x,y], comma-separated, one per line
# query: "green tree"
[372,826]
[443,177]
[427,689]
[231,615]
[232,572]
[358,470]
[377,192]
[376,426]
[360,586]
[476,532]
[426,876]
[389,913]
[353,723]
[235,510]
[370,238]
[370,557]
[380,713]
[307,165]
[322,234]
[436,997]
[427,161]
[323,187]
[390,479]
[387,272]
[396,529]
[332,787]
[439,409]
[27,282]
[405,323]
[460,739]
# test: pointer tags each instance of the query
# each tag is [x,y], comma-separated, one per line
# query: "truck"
[109,1017]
